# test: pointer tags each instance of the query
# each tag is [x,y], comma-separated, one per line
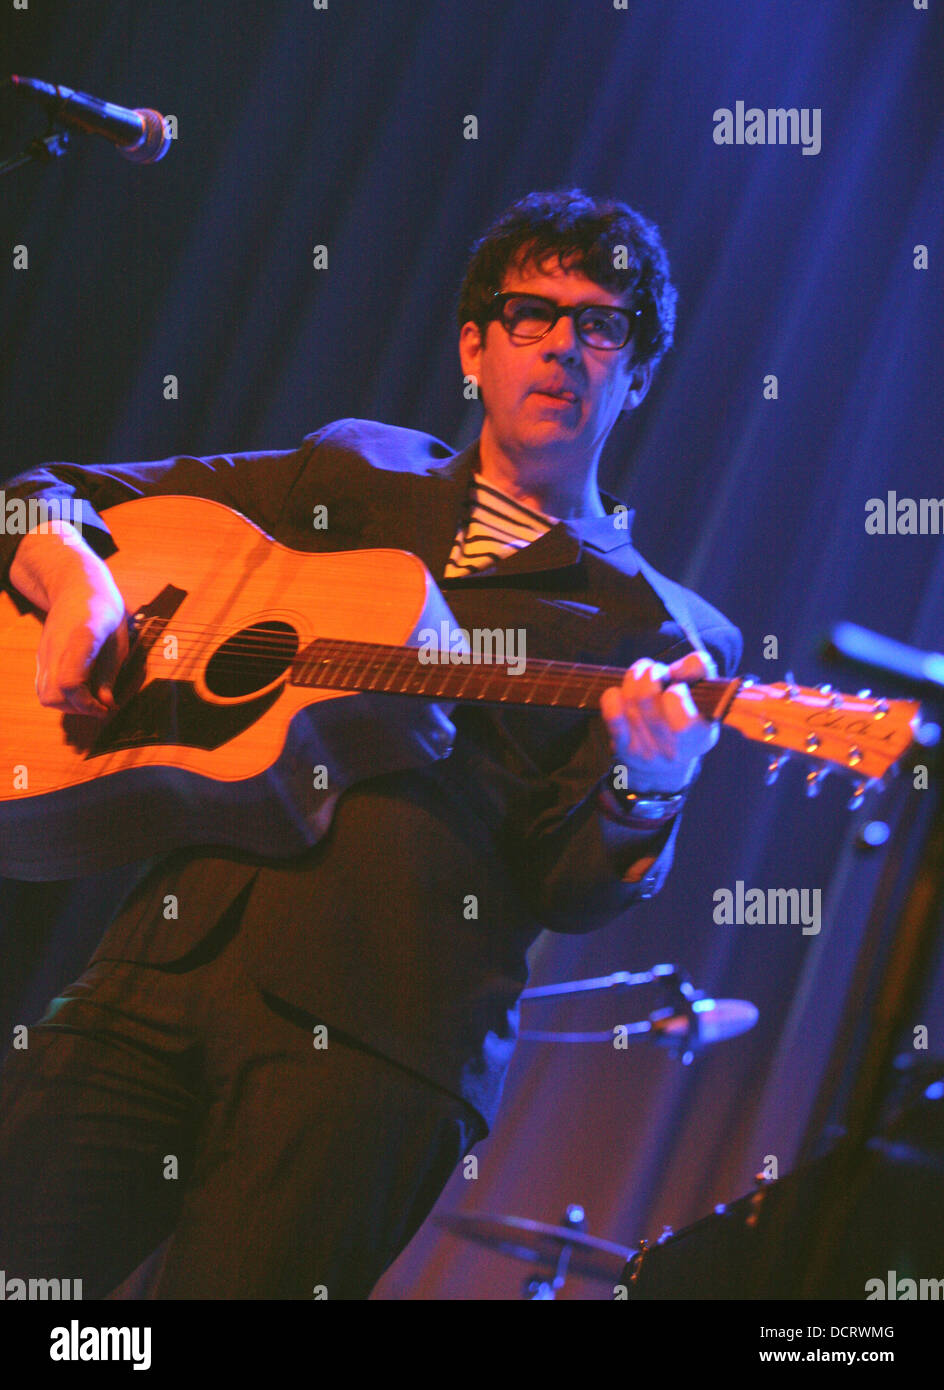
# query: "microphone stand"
[44,149]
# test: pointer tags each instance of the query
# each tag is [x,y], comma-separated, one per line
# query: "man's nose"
[562,341]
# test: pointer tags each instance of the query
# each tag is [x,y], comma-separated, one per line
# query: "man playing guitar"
[278,1062]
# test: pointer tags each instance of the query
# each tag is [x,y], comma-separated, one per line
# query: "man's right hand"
[85,627]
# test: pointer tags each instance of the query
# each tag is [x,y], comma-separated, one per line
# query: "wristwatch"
[654,808]
[641,810]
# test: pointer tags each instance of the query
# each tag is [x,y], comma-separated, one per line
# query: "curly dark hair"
[586,232]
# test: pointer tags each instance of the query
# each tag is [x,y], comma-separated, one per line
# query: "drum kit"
[685,1022]
[764,1244]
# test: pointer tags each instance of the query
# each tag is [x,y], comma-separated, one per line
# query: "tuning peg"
[862,787]
[774,768]
[858,796]
[815,780]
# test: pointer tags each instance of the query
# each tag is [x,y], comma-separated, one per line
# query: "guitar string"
[340,648]
[263,642]
[242,651]
[250,646]
[239,654]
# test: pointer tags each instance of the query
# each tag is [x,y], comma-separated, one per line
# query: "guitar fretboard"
[344,665]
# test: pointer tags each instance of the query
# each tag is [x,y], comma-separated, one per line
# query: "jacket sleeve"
[580,868]
[254,484]
[260,485]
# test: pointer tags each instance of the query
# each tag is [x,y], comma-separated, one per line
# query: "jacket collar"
[558,548]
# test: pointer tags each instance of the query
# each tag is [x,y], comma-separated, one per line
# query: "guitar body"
[208,746]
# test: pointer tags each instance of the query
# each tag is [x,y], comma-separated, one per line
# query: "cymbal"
[535,1242]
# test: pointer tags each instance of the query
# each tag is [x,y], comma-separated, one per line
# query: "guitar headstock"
[861,734]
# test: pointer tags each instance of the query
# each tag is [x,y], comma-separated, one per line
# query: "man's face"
[555,399]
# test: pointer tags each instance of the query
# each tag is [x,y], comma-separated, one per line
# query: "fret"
[393,662]
[347,668]
[423,686]
[470,672]
[492,676]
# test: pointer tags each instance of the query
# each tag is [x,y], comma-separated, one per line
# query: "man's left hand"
[655,730]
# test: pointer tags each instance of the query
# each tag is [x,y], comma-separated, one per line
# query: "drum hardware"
[557,1250]
[686,1023]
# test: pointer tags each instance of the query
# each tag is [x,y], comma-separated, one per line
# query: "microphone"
[139,135]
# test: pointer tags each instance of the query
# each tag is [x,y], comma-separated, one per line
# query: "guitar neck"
[344,665]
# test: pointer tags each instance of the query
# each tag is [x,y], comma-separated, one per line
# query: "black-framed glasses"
[527,318]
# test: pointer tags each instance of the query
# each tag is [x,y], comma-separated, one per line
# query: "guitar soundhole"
[251,659]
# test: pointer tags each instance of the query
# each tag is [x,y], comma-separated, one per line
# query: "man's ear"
[471,343]
[639,382]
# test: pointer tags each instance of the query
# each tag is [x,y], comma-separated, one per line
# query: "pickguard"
[166,711]
[171,712]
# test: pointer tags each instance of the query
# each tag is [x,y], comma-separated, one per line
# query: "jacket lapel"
[422,512]
[560,548]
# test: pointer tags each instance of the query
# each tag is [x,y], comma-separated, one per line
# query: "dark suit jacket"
[407,926]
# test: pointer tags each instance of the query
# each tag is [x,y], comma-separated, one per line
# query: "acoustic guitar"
[263,681]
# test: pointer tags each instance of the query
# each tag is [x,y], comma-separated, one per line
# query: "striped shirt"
[493,527]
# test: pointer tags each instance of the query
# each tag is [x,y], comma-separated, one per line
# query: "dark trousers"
[184,1102]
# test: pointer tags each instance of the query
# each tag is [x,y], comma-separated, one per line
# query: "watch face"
[641,811]
[652,812]
[653,802]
